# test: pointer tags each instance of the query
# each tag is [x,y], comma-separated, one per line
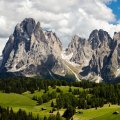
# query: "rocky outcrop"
[0,61]
[80,49]
[102,45]
[32,51]
[98,56]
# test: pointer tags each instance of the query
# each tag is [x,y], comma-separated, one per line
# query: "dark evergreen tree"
[70,89]
[52,104]
[40,100]
[70,111]
[58,117]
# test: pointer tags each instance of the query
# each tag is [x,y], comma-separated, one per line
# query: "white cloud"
[2,44]
[66,17]
[108,1]
[3,26]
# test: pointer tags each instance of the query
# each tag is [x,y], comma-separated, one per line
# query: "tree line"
[93,95]
[9,114]
[23,84]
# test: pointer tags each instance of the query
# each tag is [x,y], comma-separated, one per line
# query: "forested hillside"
[56,97]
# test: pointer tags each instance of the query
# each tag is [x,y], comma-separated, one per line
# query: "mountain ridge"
[31,51]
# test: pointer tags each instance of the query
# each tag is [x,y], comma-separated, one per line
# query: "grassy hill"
[25,102]
[104,113]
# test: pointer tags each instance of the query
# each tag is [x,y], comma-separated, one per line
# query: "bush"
[58,90]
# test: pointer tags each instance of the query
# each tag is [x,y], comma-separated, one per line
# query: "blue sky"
[115,6]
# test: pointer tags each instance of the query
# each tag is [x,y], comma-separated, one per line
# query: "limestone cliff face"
[115,57]
[101,44]
[32,51]
[80,49]
[98,56]
[0,61]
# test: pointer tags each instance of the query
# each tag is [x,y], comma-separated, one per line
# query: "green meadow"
[25,102]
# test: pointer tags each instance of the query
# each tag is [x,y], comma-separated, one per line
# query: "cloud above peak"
[65,17]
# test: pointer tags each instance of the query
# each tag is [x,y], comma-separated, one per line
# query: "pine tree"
[52,104]
[58,117]
[45,118]
[40,100]
[70,111]
[70,89]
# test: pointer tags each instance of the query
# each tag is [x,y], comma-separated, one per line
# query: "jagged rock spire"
[30,49]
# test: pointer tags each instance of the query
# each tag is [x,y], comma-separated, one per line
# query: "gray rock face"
[0,60]
[80,49]
[98,56]
[98,38]
[32,51]
[101,44]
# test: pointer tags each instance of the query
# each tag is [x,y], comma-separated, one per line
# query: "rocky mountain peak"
[30,49]
[116,36]
[98,56]
[76,43]
[79,49]
[26,26]
[98,38]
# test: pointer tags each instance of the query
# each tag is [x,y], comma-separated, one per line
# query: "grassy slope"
[104,113]
[15,100]
[25,102]
[108,115]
